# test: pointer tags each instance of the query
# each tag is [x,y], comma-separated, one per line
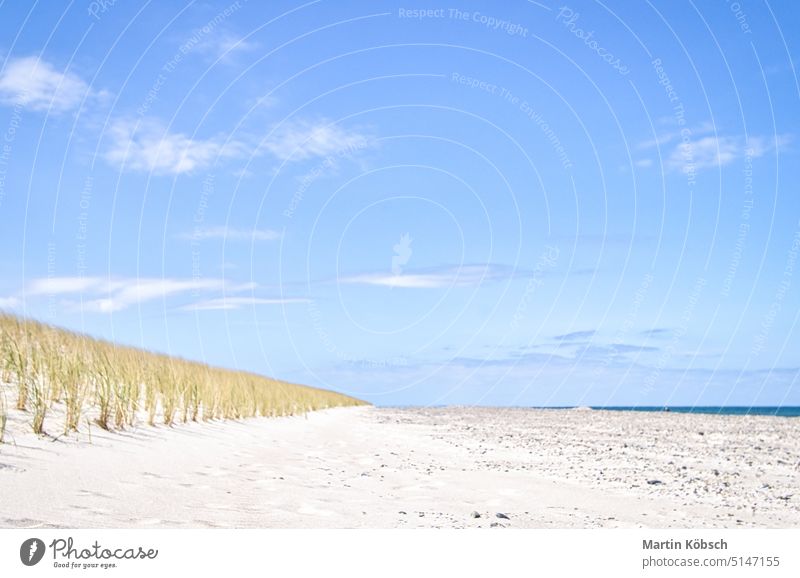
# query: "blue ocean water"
[783,411]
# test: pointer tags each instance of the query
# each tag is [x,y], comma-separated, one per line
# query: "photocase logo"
[31,552]
[402,253]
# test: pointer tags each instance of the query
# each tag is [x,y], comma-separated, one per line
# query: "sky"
[519,203]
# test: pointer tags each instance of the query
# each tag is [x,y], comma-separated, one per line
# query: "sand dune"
[409,468]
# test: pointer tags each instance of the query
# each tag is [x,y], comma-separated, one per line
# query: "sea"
[781,411]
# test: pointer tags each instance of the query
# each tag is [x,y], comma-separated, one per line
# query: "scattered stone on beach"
[661,472]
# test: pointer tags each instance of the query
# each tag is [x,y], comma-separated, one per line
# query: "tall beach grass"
[116,387]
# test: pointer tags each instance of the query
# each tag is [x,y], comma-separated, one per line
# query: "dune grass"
[117,386]
[3,416]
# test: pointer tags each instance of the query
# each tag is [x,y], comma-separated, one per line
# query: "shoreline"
[741,410]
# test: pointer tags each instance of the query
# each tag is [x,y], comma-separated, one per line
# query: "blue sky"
[526,203]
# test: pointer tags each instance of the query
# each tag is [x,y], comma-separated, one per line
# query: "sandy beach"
[371,467]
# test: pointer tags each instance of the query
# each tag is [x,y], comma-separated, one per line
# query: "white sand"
[386,468]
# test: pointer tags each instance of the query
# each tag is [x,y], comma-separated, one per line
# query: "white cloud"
[659,140]
[38,85]
[701,147]
[705,152]
[465,276]
[107,295]
[407,281]
[760,145]
[717,151]
[62,285]
[232,234]
[226,46]
[302,140]
[228,303]
[142,290]
[673,134]
[146,146]
[263,101]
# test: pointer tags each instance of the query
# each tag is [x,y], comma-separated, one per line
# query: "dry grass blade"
[82,377]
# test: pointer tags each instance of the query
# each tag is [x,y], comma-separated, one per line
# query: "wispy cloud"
[671,133]
[612,350]
[530,358]
[550,380]
[148,147]
[703,148]
[265,101]
[228,303]
[225,46]
[710,152]
[231,234]
[109,295]
[36,84]
[65,285]
[576,335]
[589,354]
[409,281]
[585,346]
[301,140]
[656,332]
[142,290]
[451,276]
